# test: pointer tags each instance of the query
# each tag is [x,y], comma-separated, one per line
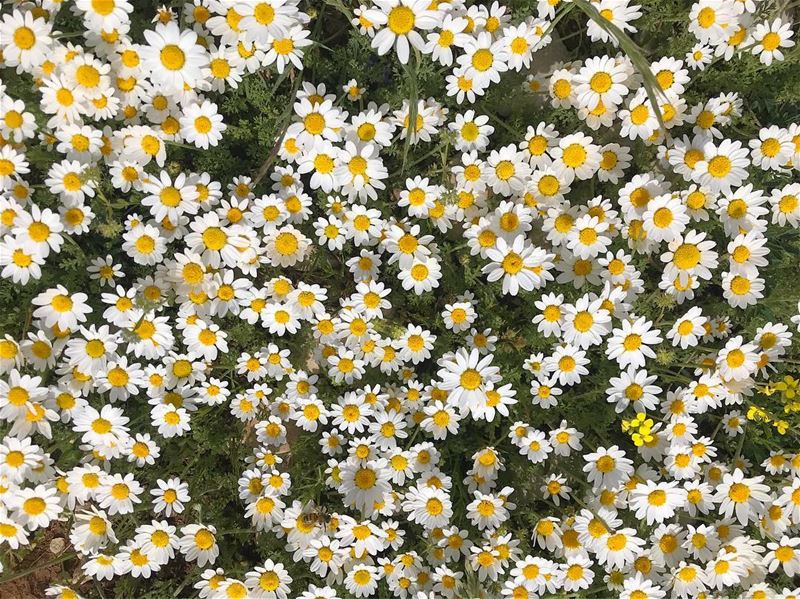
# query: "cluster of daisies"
[122,367]
[479,42]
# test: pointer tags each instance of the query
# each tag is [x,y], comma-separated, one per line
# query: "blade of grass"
[413,98]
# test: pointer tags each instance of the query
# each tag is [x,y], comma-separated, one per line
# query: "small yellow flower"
[788,387]
[756,413]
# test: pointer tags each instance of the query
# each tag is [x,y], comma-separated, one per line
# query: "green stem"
[423,157]
[503,124]
[99,590]
[75,244]
[740,445]
[559,15]
[15,575]
[178,144]
[109,208]
[285,119]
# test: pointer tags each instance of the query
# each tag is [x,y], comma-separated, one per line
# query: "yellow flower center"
[401,20]
[470,379]
[482,60]
[172,57]
[771,41]
[204,539]
[574,155]
[600,82]
[719,166]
